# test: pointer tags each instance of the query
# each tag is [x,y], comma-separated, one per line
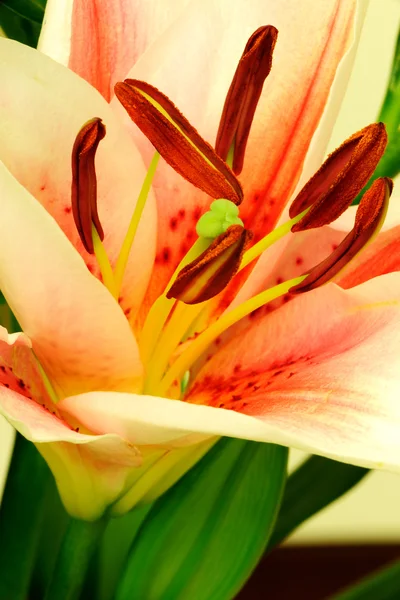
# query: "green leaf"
[33,10]
[52,533]
[117,540]
[78,546]
[382,585]
[203,538]
[21,518]
[315,484]
[18,28]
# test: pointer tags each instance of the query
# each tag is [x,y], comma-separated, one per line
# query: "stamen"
[243,95]
[84,181]
[342,176]
[134,224]
[370,216]
[201,343]
[211,272]
[177,140]
[199,281]
[159,312]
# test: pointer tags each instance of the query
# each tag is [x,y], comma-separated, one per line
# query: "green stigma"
[222,214]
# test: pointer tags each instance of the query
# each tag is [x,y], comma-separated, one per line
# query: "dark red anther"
[177,140]
[84,181]
[369,219]
[342,176]
[243,95]
[211,272]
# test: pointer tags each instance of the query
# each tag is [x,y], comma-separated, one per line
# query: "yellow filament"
[162,307]
[133,225]
[173,333]
[201,343]
[46,381]
[104,263]
[181,320]
[269,240]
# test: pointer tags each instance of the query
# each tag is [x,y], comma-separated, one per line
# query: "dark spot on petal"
[166,254]
[237,368]
[67,209]
[21,384]
[173,223]
[181,213]
[196,213]
[279,280]
[277,373]
[299,260]
[237,397]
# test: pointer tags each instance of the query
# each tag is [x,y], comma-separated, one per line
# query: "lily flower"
[151,329]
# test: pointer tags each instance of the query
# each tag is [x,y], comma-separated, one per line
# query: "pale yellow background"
[371,511]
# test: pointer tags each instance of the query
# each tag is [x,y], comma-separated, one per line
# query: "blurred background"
[370,512]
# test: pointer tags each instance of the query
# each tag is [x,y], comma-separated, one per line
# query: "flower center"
[178,328]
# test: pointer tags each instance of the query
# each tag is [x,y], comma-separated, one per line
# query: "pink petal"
[292,256]
[43,105]
[78,331]
[322,371]
[101,39]
[313,39]
[322,374]
[91,471]
[19,370]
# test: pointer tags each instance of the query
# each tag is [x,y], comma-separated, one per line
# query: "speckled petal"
[43,105]
[77,329]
